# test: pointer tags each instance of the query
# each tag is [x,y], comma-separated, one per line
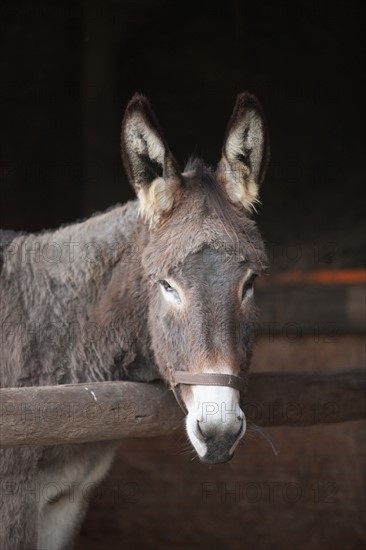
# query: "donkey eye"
[166,286]
[169,292]
[248,288]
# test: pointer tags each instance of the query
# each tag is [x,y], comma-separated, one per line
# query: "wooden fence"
[77,413]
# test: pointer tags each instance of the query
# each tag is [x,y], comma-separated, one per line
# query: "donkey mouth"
[219,450]
[216,458]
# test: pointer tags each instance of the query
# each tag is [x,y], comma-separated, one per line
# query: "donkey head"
[202,255]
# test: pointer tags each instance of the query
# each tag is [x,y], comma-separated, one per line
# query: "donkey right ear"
[150,166]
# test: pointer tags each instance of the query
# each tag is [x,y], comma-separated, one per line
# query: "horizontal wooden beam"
[77,413]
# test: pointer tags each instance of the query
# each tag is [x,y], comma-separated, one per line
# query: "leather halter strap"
[203,379]
[209,379]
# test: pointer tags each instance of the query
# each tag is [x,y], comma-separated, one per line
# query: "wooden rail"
[78,413]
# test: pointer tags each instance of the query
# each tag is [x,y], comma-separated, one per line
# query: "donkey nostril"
[204,436]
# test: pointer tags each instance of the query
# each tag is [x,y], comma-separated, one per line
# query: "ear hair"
[156,199]
[245,152]
[149,164]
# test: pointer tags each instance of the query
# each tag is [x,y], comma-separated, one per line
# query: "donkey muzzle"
[215,423]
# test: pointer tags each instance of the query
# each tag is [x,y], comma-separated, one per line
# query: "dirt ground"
[311,496]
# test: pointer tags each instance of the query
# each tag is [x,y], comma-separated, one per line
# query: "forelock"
[205,217]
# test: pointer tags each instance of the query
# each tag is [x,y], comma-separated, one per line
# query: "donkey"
[160,288]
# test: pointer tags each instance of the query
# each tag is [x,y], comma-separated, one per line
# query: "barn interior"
[68,70]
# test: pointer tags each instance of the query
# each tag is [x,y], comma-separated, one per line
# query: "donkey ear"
[150,166]
[245,152]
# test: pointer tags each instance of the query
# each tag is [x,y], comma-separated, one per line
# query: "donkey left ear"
[149,164]
[245,153]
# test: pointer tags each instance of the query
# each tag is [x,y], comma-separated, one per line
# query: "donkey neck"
[89,246]
[78,279]
[76,254]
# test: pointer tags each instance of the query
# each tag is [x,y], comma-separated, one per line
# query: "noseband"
[203,379]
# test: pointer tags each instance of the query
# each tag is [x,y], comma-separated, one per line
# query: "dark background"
[68,70]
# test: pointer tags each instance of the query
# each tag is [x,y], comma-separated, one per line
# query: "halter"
[203,379]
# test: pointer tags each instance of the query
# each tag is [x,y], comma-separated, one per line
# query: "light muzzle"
[203,379]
